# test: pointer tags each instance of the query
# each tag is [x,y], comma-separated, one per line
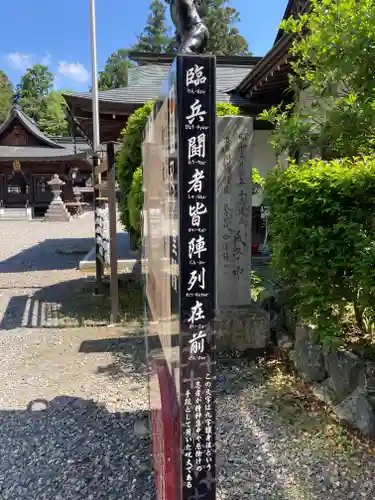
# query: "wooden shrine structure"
[28,161]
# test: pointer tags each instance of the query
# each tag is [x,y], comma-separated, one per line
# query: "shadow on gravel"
[71,304]
[240,473]
[128,353]
[71,448]
[48,255]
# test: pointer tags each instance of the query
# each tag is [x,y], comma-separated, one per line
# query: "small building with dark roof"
[29,159]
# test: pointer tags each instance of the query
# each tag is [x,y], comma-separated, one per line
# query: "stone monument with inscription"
[240,324]
[179,249]
[234,197]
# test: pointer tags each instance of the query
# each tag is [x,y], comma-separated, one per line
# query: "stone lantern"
[57,211]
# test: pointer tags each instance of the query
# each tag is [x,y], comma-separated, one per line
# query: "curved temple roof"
[17,115]
[49,149]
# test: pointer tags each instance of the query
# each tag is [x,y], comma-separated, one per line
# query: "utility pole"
[95,140]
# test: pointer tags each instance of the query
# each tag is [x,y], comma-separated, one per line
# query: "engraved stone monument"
[234,198]
[240,324]
[179,251]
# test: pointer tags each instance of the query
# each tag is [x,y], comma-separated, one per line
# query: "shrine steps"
[15,214]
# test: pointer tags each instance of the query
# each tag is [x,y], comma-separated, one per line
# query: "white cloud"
[63,70]
[75,71]
[19,61]
[46,60]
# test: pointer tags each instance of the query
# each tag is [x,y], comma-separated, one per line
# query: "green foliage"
[52,119]
[257,180]
[129,158]
[135,201]
[6,93]
[225,109]
[257,285]
[35,85]
[37,99]
[155,36]
[334,57]
[115,73]
[321,225]
[225,38]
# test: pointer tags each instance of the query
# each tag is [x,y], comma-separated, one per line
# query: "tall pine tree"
[36,97]
[225,39]
[51,119]
[35,85]
[115,73]
[155,36]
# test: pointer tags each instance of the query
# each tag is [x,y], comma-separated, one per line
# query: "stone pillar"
[234,198]
[57,210]
[240,324]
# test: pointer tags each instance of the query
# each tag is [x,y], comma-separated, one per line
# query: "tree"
[52,120]
[334,60]
[6,92]
[35,85]
[224,38]
[115,73]
[155,36]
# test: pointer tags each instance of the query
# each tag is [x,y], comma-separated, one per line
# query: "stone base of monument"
[57,212]
[242,327]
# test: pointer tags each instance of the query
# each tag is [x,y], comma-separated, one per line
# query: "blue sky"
[57,33]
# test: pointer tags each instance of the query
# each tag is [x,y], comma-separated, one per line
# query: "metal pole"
[114,288]
[95,139]
[94,84]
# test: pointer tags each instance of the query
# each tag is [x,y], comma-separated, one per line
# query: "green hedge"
[135,200]
[321,225]
[225,109]
[129,160]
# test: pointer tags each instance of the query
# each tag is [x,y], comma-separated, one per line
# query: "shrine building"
[29,159]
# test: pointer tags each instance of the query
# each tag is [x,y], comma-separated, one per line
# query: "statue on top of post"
[192,33]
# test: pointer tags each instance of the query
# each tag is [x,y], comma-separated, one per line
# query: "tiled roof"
[30,125]
[79,144]
[53,148]
[145,84]
[35,153]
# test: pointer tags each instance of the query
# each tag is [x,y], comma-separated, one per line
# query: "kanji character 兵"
[196,112]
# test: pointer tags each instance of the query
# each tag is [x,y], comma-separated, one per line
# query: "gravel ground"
[72,400]
[273,447]
[70,427]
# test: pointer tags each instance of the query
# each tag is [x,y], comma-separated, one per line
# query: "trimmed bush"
[129,158]
[135,201]
[321,225]
[225,109]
